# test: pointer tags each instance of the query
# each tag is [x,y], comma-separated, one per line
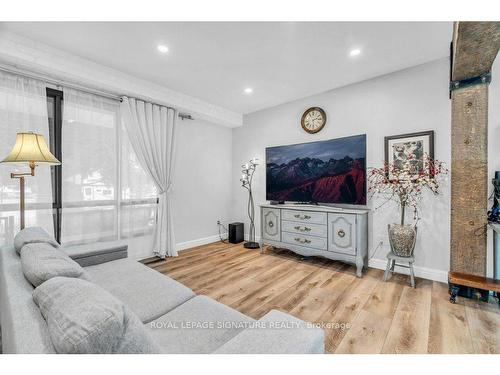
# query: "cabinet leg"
[485,295]
[454,289]
[359,272]
[359,267]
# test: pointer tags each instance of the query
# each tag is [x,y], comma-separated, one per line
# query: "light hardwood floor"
[360,315]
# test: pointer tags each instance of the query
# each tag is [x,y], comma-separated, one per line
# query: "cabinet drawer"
[306,241]
[342,233]
[304,228]
[271,223]
[305,216]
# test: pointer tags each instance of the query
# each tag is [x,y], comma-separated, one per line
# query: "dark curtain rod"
[60,83]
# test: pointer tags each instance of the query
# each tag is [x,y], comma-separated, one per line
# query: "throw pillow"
[84,318]
[33,235]
[41,262]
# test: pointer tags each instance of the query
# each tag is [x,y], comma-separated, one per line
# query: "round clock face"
[313,120]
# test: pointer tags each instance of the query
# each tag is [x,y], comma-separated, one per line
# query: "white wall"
[493,145]
[411,100]
[202,187]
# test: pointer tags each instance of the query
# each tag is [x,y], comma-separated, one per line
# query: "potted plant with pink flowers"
[404,183]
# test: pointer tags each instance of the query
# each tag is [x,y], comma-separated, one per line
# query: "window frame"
[56,149]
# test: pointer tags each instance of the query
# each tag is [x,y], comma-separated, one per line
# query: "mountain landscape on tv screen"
[316,179]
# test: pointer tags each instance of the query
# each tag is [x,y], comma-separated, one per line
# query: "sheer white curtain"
[106,194]
[90,168]
[139,197]
[23,108]
[151,130]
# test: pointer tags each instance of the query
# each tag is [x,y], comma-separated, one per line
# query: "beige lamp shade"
[31,148]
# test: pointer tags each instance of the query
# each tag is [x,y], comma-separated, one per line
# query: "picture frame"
[397,148]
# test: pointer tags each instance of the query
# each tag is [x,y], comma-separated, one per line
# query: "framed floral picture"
[410,148]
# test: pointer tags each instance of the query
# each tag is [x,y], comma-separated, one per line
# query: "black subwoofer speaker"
[235,233]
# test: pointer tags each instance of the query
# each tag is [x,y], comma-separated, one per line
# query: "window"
[89,143]
[23,108]
[100,192]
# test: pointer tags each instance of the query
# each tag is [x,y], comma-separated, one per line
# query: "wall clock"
[313,120]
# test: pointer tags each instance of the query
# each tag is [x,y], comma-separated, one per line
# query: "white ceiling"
[215,61]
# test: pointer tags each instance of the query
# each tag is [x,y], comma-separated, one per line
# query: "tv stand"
[329,232]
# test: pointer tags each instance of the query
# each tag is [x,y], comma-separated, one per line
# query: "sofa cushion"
[33,235]
[199,325]
[84,318]
[277,333]
[96,253]
[148,293]
[41,262]
[23,328]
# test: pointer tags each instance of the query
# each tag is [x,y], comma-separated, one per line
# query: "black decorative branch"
[248,170]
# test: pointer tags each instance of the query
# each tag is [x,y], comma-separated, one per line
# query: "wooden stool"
[391,263]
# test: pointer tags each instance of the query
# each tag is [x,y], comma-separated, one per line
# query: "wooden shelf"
[474,281]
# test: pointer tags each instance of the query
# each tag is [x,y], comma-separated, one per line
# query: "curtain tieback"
[168,190]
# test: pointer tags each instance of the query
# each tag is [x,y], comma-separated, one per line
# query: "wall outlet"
[218,222]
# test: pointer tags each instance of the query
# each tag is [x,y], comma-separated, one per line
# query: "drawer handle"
[341,233]
[305,217]
[302,240]
[305,229]
[270,224]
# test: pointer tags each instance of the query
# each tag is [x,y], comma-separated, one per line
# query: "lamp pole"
[22,203]
[248,170]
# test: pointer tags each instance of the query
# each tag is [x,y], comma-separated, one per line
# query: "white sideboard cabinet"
[329,232]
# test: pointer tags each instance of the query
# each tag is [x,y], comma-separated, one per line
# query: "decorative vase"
[402,239]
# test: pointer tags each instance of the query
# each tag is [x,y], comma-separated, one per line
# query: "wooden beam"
[475,46]
[469,175]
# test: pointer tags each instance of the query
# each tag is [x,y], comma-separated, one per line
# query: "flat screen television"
[332,171]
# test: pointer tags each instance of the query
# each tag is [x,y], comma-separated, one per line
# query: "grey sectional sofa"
[178,320]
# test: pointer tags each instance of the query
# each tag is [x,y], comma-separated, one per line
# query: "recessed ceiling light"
[162,48]
[355,52]
[248,90]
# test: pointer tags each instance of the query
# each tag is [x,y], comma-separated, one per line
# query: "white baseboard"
[206,240]
[423,272]
[182,245]
[199,241]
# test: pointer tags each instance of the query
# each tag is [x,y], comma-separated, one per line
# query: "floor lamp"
[248,170]
[29,149]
